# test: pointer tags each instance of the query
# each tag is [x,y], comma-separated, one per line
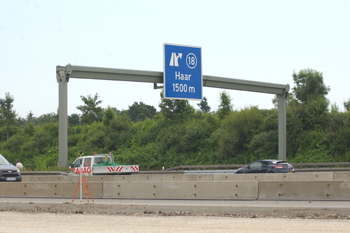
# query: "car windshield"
[3,161]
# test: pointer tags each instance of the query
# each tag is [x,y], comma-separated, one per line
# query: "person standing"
[19,165]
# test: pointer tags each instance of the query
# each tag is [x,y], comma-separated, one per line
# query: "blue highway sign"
[183,72]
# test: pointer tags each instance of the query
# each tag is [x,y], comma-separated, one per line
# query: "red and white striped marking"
[110,169]
[134,168]
[118,168]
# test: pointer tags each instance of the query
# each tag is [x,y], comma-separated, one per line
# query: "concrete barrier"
[181,190]
[47,189]
[163,177]
[139,177]
[304,190]
[67,178]
[341,176]
[317,176]
[297,186]
[50,178]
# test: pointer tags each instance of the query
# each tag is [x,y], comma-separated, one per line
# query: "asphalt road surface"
[17,222]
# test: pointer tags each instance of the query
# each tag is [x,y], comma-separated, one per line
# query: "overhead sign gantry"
[64,73]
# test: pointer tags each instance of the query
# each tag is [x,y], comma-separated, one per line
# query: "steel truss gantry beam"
[64,73]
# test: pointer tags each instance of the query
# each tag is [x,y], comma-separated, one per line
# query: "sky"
[257,40]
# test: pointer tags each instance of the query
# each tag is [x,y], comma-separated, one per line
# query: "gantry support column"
[282,126]
[62,79]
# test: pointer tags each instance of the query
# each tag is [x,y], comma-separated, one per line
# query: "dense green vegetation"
[181,135]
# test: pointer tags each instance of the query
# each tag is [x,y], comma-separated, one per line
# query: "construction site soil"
[37,222]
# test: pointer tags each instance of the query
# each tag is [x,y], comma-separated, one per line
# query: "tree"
[30,117]
[47,118]
[225,106]
[118,130]
[347,105]
[29,129]
[175,109]
[309,85]
[74,119]
[294,128]
[108,116]
[91,112]
[203,105]
[237,131]
[7,114]
[310,92]
[264,145]
[315,114]
[140,111]
[340,145]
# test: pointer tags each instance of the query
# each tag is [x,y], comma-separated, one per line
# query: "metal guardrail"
[43,173]
[232,166]
[319,165]
[204,167]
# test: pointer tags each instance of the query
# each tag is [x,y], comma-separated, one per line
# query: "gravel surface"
[18,222]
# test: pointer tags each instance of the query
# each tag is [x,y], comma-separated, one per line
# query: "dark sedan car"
[267,166]
[8,172]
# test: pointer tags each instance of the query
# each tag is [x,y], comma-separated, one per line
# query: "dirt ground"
[17,222]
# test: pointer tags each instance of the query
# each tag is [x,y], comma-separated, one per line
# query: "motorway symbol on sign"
[182,72]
